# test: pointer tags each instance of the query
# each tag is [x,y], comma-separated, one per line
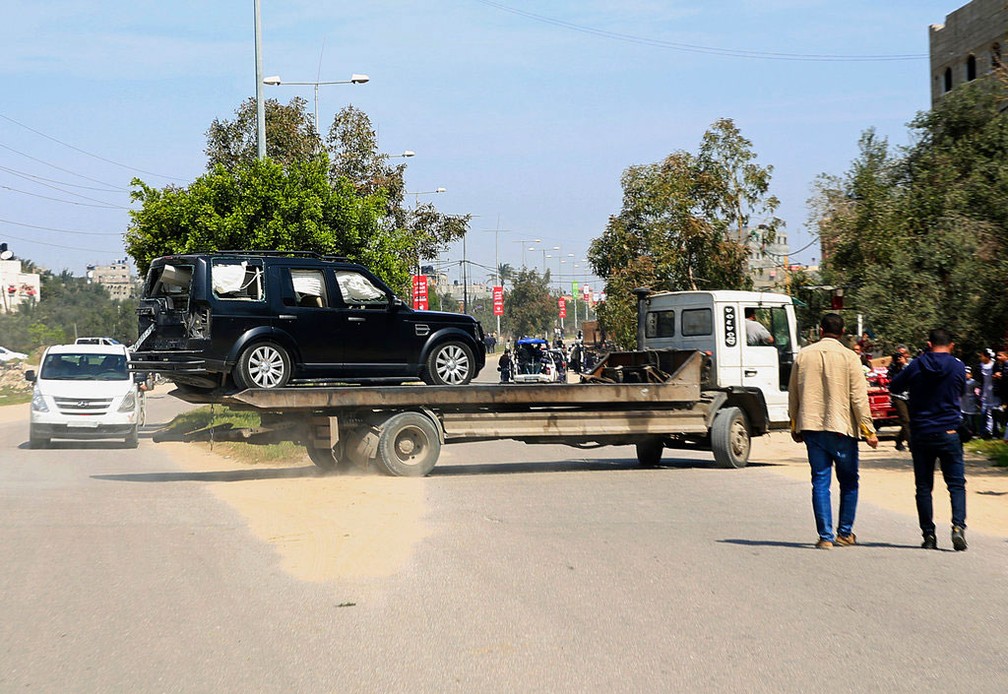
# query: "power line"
[58,168]
[56,245]
[696,48]
[62,231]
[90,154]
[32,177]
[104,205]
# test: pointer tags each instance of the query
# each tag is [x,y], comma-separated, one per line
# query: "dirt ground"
[324,527]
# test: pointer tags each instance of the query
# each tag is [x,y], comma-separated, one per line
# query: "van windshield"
[84,367]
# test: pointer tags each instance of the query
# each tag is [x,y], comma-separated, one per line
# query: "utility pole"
[260,106]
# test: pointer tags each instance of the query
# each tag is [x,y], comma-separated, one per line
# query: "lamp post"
[260,108]
[418,193]
[523,242]
[405,155]
[416,199]
[275,81]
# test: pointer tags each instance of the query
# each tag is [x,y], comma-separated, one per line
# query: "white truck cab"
[84,391]
[715,322]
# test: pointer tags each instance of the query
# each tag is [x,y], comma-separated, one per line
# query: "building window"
[971,68]
[948,79]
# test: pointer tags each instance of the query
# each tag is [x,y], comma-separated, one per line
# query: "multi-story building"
[17,287]
[768,257]
[969,44]
[117,278]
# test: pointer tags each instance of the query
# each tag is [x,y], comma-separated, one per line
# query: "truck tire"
[649,452]
[730,438]
[450,364]
[263,365]
[408,445]
[323,458]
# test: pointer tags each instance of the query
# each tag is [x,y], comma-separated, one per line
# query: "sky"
[525,113]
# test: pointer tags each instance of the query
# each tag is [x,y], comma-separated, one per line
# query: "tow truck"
[693,383]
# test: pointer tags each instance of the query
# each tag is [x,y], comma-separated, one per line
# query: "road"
[511,568]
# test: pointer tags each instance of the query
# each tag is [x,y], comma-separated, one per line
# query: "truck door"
[765,342]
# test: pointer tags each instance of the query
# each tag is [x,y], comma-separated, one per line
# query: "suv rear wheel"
[450,364]
[263,365]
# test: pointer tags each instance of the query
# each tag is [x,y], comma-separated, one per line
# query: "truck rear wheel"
[408,445]
[730,438]
[323,458]
[649,452]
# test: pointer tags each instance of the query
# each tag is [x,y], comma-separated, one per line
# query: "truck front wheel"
[730,438]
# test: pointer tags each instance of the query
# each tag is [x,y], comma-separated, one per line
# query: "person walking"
[988,397]
[899,399]
[935,381]
[970,404]
[828,409]
[506,366]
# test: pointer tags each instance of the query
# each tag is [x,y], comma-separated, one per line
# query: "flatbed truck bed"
[402,428]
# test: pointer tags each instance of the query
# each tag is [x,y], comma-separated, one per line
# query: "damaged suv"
[255,319]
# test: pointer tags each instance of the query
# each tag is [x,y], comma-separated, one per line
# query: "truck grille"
[83,405]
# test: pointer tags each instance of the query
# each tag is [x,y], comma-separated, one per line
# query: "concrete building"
[117,278]
[17,287]
[768,258]
[968,45]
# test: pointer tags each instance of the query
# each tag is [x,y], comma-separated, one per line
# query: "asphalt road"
[546,569]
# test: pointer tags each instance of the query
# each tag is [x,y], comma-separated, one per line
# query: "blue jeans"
[947,450]
[826,449]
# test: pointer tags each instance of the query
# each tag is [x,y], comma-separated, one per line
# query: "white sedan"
[8,355]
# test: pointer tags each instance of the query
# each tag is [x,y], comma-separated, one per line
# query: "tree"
[529,308]
[290,135]
[262,205]
[919,238]
[682,224]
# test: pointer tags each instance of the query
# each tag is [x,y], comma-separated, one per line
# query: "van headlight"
[38,402]
[129,402]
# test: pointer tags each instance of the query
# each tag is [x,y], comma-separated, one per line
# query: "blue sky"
[526,113]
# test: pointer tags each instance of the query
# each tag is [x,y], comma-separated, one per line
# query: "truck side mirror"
[30,375]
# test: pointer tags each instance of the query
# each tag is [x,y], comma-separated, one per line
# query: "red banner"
[498,301]
[420,292]
[562,305]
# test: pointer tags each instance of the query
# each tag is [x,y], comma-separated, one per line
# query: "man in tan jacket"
[828,407]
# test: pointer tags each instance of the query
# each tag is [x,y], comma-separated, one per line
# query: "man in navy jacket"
[935,381]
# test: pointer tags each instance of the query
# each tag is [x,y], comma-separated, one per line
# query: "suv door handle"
[356,319]
[287,316]
[750,372]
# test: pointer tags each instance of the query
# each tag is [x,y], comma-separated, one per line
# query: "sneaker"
[959,538]
[824,544]
[930,541]
[846,540]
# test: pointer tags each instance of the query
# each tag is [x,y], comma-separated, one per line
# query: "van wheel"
[36,441]
[133,439]
[649,452]
[408,445]
[263,365]
[729,436]
[450,364]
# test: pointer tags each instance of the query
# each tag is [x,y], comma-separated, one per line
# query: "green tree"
[290,135]
[681,225]
[919,237]
[529,307]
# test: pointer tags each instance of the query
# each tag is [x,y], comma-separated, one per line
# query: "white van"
[84,391]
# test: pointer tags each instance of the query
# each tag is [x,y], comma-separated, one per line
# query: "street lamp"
[275,81]
[418,193]
[405,155]
[523,242]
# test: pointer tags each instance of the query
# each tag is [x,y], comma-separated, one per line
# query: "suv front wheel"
[263,365]
[450,364]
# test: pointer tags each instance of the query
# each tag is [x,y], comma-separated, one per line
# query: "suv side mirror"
[395,303]
[29,375]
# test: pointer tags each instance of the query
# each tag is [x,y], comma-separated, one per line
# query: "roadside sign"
[562,305]
[498,301]
[420,301]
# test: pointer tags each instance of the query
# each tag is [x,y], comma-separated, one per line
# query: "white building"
[117,278]
[17,287]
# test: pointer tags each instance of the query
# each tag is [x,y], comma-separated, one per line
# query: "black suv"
[253,319]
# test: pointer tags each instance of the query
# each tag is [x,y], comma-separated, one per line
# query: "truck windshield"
[84,367]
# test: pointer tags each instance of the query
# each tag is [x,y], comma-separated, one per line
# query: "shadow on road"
[811,545]
[216,476]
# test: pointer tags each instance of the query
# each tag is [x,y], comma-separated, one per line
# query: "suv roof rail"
[298,254]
